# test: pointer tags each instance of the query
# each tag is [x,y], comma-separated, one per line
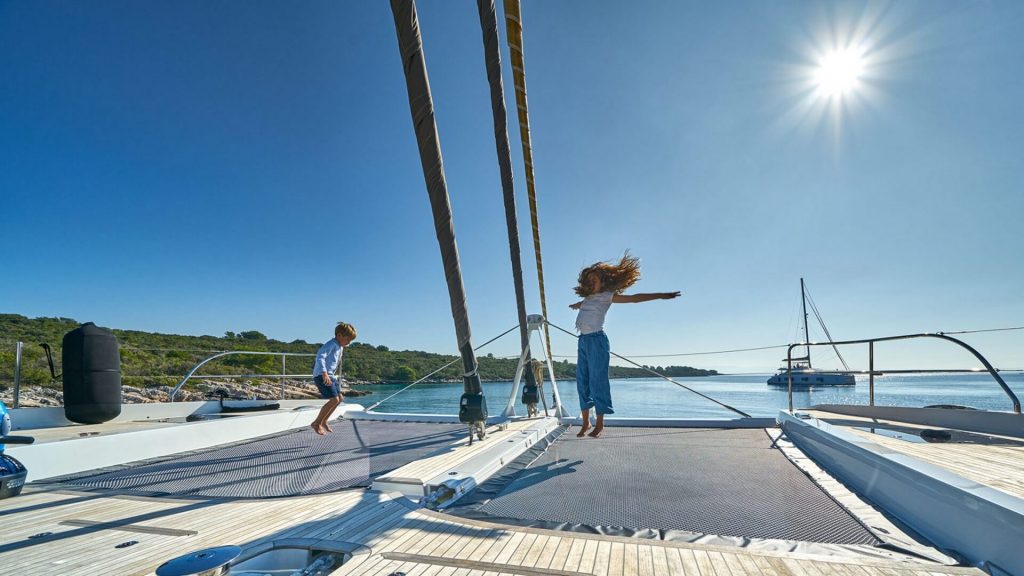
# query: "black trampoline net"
[289,464]
[721,482]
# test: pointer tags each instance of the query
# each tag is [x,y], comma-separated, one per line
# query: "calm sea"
[655,398]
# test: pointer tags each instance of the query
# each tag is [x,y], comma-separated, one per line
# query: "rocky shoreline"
[40,396]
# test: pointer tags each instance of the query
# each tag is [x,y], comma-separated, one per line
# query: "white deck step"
[474,464]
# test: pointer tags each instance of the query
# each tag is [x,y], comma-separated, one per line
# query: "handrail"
[17,374]
[221,354]
[872,371]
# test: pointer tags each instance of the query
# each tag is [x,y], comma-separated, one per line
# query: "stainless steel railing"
[282,375]
[17,374]
[871,363]
[19,358]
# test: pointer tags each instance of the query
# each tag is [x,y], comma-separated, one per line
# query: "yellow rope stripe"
[514,31]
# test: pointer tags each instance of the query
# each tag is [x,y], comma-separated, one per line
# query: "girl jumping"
[600,285]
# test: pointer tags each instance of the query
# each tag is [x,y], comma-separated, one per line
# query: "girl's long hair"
[614,277]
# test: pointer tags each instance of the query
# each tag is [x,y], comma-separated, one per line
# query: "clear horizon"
[197,168]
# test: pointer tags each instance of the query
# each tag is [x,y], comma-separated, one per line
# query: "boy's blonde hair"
[345,330]
[614,277]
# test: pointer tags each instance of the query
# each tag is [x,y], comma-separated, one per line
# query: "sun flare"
[839,72]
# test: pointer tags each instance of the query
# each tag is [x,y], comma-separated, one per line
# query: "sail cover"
[421,105]
[492,59]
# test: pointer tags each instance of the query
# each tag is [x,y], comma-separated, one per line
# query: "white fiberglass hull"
[813,378]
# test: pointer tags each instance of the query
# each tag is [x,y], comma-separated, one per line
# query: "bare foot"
[328,427]
[597,432]
[316,429]
[583,430]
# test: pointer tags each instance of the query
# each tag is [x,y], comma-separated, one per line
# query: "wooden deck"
[47,531]
[997,466]
[87,527]
[62,433]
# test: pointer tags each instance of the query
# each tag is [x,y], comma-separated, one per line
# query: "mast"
[492,59]
[807,335]
[422,107]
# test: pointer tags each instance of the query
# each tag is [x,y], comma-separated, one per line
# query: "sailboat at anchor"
[802,372]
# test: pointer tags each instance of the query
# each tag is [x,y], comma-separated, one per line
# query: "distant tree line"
[150,359]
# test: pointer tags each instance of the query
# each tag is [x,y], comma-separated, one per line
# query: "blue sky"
[195,167]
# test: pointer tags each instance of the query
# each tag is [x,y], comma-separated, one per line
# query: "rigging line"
[821,322]
[540,384]
[734,350]
[514,33]
[983,330]
[136,348]
[701,353]
[128,347]
[457,358]
[693,353]
[722,404]
[792,318]
[825,328]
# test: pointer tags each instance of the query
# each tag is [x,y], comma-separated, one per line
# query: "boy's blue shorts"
[327,391]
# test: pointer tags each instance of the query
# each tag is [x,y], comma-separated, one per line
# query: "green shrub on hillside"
[149,359]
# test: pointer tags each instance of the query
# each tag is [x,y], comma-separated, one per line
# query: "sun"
[839,72]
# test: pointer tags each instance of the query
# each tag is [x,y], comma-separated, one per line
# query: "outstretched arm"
[633,298]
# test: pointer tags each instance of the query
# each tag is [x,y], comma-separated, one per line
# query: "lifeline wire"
[787,346]
[439,369]
[984,330]
[723,405]
[694,353]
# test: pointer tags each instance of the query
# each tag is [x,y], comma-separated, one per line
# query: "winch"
[12,472]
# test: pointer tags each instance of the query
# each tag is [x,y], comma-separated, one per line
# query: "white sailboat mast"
[807,335]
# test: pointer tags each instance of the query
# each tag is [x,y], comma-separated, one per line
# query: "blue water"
[655,398]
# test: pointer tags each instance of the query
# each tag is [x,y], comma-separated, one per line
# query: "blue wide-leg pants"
[592,353]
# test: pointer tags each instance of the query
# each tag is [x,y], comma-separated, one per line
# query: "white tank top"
[592,312]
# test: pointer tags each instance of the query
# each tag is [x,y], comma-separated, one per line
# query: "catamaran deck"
[671,483]
[384,533]
[294,463]
[64,528]
[993,460]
